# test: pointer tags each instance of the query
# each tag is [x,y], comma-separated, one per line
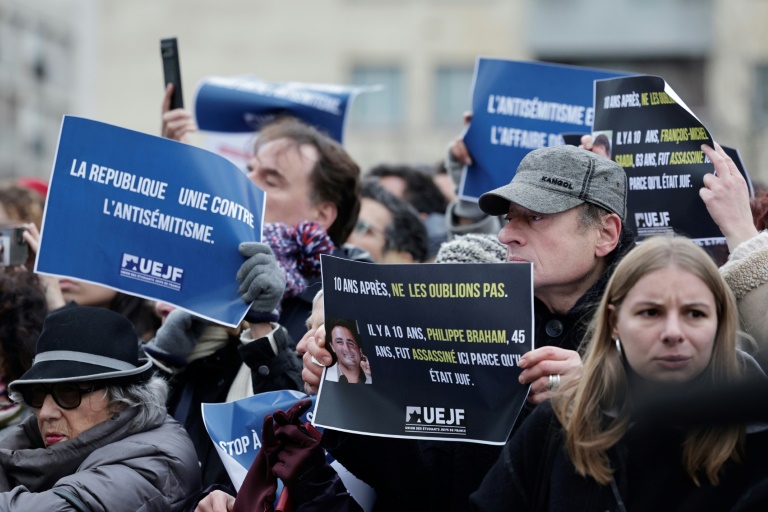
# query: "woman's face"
[86,294]
[57,424]
[667,325]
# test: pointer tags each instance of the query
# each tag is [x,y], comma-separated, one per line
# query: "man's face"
[281,168]
[562,252]
[345,347]
[369,232]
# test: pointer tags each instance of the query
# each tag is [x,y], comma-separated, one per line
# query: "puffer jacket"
[106,468]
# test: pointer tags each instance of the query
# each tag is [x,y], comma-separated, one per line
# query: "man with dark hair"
[347,350]
[388,227]
[411,184]
[420,191]
[307,176]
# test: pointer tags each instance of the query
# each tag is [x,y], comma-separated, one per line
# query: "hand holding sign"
[262,281]
[726,196]
[542,363]
[315,359]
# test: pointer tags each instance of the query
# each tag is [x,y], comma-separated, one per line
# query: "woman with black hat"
[100,437]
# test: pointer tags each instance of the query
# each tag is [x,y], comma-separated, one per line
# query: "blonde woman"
[666,322]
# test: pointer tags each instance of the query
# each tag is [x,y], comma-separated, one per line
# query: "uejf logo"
[435,419]
[150,271]
[651,219]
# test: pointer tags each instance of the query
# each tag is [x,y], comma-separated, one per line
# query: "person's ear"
[325,214]
[608,235]
[613,314]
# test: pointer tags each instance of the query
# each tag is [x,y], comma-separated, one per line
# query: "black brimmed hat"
[84,344]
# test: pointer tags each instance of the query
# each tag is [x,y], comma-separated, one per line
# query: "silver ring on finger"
[554,381]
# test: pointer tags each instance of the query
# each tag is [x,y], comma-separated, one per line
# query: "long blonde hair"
[603,383]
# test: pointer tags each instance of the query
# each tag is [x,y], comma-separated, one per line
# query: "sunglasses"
[67,395]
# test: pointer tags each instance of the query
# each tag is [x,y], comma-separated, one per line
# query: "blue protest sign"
[245,103]
[235,429]
[518,107]
[150,217]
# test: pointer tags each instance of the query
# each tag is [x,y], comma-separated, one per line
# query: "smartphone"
[169,50]
[14,248]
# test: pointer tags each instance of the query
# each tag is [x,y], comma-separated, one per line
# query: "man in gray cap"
[565,210]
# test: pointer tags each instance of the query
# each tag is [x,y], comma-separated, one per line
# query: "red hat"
[36,184]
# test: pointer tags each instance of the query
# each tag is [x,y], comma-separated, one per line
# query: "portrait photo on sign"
[350,364]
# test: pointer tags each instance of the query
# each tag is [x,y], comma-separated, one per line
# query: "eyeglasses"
[67,395]
[366,227]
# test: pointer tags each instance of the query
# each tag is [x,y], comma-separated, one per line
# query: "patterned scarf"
[297,251]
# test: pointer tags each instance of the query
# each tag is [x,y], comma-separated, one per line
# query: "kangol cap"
[558,178]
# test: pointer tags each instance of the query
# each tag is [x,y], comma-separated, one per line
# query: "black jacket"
[535,473]
[208,380]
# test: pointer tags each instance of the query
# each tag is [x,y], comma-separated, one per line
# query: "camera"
[15,249]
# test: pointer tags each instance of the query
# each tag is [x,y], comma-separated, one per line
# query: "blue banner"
[150,217]
[245,103]
[235,430]
[518,107]
[235,427]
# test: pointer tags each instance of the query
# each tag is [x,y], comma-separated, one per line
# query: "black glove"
[261,279]
[176,338]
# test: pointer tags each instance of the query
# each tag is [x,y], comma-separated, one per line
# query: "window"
[384,108]
[452,94]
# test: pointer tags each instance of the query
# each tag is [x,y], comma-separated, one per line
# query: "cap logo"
[558,182]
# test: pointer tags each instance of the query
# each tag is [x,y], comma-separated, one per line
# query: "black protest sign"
[739,163]
[442,341]
[657,140]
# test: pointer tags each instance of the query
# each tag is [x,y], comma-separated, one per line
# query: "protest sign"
[442,342]
[739,163]
[235,147]
[656,138]
[235,430]
[518,107]
[235,427]
[150,217]
[246,103]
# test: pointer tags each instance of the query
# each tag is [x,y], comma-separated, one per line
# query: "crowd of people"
[101,392]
